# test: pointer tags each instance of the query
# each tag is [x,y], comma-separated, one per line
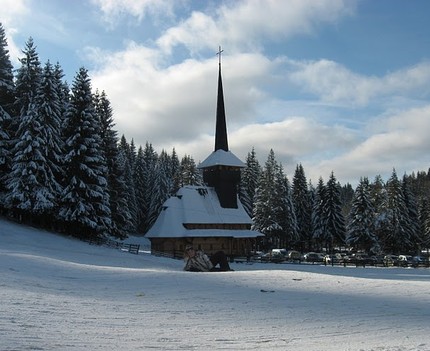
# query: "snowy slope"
[58,293]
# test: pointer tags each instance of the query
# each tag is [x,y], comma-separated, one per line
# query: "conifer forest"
[64,167]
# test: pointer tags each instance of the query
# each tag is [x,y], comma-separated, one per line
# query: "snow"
[199,204]
[222,158]
[58,293]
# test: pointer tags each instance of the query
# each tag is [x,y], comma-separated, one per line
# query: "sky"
[337,86]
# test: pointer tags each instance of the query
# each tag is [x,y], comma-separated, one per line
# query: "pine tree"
[26,194]
[360,230]
[396,224]
[85,200]
[412,214]
[120,213]
[286,216]
[150,158]
[7,89]
[318,215]
[303,208]
[424,219]
[161,189]
[335,222]
[249,182]
[7,86]
[175,171]
[27,80]
[132,183]
[265,214]
[189,174]
[140,211]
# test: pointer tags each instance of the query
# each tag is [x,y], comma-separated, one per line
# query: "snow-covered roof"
[199,205]
[222,158]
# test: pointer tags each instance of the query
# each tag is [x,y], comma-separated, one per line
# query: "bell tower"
[221,169]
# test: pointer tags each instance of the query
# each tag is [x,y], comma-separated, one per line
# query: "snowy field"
[58,293]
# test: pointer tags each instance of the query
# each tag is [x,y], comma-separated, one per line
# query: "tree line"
[62,164]
[63,167]
[377,217]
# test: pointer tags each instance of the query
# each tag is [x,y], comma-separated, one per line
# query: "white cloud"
[244,25]
[403,144]
[114,9]
[11,12]
[333,82]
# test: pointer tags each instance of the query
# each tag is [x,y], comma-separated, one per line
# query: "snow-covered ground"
[57,293]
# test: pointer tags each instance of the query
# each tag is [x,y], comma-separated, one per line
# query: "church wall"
[174,247]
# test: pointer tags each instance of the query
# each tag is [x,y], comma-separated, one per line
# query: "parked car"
[314,257]
[333,259]
[272,257]
[404,260]
[282,252]
[294,256]
[390,260]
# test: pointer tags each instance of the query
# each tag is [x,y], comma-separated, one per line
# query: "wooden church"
[209,217]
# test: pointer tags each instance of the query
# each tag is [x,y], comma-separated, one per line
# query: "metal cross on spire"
[219,54]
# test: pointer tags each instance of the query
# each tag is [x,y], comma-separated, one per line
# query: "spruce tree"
[161,188]
[25,193]
[120,213]
[85,200]
[286,216]
[132,183]
[334,219]
[396,223]
[412,212]
[303,208]
[189,174]
[7,86]
[140,209]
[7,89]
[150,158]
[318,215]
[27,80]
[265,214]
[249,182]
[360,229]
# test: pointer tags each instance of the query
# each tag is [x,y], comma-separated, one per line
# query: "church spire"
[221,142]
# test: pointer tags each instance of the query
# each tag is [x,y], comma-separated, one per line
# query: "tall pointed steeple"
[221,169]
[221,142]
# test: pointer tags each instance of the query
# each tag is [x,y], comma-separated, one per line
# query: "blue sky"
[340,86]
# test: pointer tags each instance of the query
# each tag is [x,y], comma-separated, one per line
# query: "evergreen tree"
[334,220]
[27,80]
[26,193]
[360,231]
[149,177]
[303,208]
[189,174]
[7,88]
[412,212]
[175,171]
[120,213]
[85,200]
[424,220]
[132,183]
[141,211]
[249,182]
[318,215]
[265,214]
[396,224]
[161,189]
[286,216]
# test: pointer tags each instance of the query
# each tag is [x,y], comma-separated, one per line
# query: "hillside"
[58,293]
